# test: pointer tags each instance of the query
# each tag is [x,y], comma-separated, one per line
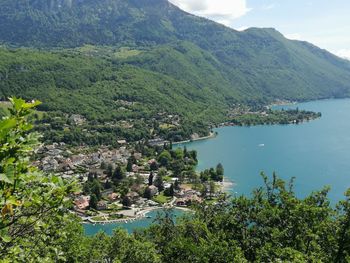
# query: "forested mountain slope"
[99,88]
[210,63]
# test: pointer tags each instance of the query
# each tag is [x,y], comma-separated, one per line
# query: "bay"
[131,226]
[316,153]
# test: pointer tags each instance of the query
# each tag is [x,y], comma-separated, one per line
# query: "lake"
[317,153]
[91,229]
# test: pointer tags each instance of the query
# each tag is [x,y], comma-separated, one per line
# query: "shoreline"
[211,136]
[139,216]
[281,103]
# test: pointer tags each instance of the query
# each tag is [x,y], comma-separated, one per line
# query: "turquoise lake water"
[317,153]
[91,229]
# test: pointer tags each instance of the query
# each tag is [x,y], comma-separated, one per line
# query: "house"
[121,142]
[82,202]
[77,119]
[194,136]
[153,190]
[138,156]
[78,159]
[113,196]
[151,203]
[133,196]
[167,185]
[102,205]
[188,200]
[157,142]
[141,202]
[152,161]
[49,164]
[181,202]
[193,199]
[135,168]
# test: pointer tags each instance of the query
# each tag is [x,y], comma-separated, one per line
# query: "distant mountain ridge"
[253,66]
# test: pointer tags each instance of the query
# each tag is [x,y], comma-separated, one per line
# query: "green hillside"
[107,94]
[253,65]
[92,86]
[114,60]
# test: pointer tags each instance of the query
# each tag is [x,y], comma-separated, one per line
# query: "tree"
[108,184]
[204,175]
[96,189]
[177,185]
[93,201]
[118,174]
[103,166]
[178,154]
[164,158]
[150,179]
[212,188]
[177,166]
[86,188]
[158,182]
[32,204]
[147,193]
[120,247]
[131,162]
[220,170]
[162,172]
[185,153]
[343,252]
[126,201]
[169,191]
[154,166]
[129,166]
[110,170]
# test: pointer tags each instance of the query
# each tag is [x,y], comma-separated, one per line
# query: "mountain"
[203,62]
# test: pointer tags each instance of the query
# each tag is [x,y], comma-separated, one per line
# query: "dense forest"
[110,86]
[192,58]
[272,225]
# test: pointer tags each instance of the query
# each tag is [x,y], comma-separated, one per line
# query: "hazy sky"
[325,23]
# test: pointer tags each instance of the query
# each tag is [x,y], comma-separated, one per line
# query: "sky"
[325,23]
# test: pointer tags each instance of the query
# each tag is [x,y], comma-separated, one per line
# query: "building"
[82,202]
[153,190]
[102,205]
[113,196]
[121,142]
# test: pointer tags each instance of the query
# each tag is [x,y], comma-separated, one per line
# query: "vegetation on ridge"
[154,53]
[271,225]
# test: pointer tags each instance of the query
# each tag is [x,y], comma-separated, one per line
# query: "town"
[124,183]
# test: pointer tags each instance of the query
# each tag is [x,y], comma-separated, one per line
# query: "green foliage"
[106,94]
[164,158]
[93,201]
[150,57]
[120,247]
[216,175]
[162,198]
[253,66]
[271,225]
[275,117]
[118,174]
[158,182]
[31,202]
[169,191]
